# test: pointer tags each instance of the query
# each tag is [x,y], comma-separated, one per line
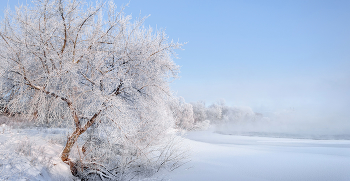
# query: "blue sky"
[268,55]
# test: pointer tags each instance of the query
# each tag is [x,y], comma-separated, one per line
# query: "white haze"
[242,120]
[290,124]
[315,106]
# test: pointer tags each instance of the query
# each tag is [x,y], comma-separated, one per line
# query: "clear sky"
[268,55]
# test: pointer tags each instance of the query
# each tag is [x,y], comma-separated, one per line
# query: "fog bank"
[242,120]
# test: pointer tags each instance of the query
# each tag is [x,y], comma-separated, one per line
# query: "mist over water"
[288,123]
[301,107]
[316,107]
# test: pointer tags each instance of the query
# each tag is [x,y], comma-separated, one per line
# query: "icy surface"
[245,158]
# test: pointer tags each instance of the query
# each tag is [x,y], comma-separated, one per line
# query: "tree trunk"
[73,138]
[66,151]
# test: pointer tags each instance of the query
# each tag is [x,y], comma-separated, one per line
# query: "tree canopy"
[88,67]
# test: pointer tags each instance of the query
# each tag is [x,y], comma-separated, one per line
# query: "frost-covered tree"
[182,113]
[199,111]
[214,112]
[69,63]
[221,114]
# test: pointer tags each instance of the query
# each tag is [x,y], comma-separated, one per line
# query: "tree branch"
[65,27]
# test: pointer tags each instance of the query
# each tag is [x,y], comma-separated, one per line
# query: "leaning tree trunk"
[72,140]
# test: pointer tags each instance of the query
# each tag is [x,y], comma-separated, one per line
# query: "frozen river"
[246,158]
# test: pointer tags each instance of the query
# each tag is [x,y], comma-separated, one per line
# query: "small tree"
[65,63]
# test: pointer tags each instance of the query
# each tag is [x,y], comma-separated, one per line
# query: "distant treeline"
[197,115]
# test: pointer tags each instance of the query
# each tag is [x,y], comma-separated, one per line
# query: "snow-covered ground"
[246,158]
[32,154]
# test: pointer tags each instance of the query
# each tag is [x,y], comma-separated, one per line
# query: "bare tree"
[68,63]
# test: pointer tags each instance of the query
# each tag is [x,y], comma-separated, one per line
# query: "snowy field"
[27,154]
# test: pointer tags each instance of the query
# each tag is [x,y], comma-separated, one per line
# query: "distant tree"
[182,113]
[223,115]
[199,111]
[214,113]
[68,63]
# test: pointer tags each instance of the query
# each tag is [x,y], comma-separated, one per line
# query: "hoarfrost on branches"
[71,64]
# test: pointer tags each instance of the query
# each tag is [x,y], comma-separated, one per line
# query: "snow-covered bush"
[67,63]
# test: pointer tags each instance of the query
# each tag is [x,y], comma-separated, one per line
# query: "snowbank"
[31,154]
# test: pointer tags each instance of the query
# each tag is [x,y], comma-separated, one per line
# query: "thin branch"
[65,26]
